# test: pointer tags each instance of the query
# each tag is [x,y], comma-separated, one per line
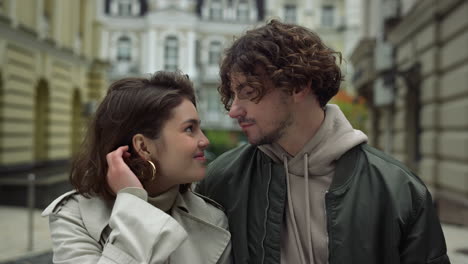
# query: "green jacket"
[377,210]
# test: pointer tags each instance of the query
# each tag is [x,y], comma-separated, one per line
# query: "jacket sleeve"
[423,241]
[141,233]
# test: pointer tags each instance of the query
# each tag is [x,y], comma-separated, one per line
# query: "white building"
[337,22]
[143,36]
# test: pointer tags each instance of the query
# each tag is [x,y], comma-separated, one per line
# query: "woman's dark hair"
[131,106]
[291,56]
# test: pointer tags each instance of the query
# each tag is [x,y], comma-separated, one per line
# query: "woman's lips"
[200,156]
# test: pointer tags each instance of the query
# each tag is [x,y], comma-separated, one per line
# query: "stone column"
[152,60]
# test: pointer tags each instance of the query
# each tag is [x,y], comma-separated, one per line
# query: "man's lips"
[245,125]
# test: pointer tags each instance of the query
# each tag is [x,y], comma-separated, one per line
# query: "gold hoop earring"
[154,169]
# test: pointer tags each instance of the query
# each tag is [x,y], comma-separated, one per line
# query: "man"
[308,189]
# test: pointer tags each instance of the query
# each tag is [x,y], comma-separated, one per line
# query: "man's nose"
[236,109]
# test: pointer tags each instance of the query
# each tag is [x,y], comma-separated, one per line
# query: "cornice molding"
[363,47]
[29,40]
[421,15]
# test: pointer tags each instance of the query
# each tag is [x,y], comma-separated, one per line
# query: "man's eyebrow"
[240,86]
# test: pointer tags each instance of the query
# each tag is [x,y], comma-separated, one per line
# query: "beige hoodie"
[304,237]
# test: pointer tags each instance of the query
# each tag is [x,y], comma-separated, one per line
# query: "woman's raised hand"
[119,175]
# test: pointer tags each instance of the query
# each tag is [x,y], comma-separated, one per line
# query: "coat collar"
[189,210]
[95,213]
[203,223]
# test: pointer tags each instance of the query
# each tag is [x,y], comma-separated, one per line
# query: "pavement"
[14,239]
[14,236]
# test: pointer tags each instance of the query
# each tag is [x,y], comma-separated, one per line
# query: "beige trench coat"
[131,230]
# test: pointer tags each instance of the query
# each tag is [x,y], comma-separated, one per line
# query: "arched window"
[124,49]
[41,122]
[214,54]
[171,53]
[76,122]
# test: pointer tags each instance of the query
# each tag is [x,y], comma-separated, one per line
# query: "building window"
[214,54]
[197,52]
[216,10]
[124,49]
[123,7]
[213,101]
[290,14]
[328,16]
[171,54]
[243,12]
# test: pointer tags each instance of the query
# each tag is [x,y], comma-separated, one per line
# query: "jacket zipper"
[326,221]
[266,214]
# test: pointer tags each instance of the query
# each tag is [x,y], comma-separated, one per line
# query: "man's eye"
[189,129]
[246,93]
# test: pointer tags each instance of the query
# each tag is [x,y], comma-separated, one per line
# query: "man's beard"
[276,134]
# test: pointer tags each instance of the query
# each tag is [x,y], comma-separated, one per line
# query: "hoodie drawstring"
[307,201]
[291,211]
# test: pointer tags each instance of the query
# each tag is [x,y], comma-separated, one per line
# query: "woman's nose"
[204,142]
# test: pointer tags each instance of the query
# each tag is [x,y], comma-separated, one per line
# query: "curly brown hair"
[131,106]
[291,56]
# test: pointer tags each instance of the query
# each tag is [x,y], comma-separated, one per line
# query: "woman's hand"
[119,175]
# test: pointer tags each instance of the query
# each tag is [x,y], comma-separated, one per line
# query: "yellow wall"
[45,81]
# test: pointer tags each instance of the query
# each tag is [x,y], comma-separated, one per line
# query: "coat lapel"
[95,213]
[206,240]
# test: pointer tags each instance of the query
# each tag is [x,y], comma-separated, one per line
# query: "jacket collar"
[346,167]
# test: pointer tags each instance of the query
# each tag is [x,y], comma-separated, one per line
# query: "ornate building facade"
[144,36]
[50,78]
[411,64]
[141,37]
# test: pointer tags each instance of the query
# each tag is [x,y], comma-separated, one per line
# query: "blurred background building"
[58,57]
[50,80]
[409,63]
[405,64]
[140,37]
[412,66]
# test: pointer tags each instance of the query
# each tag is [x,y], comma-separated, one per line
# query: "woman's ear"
[140,145]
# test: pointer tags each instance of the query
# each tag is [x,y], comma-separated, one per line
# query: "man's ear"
[140,145]
[301,94]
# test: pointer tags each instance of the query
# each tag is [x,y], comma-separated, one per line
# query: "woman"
[132,202]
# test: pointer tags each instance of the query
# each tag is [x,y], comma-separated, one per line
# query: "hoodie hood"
[334,138]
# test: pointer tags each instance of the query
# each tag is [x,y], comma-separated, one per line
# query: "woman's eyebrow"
[192,121]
